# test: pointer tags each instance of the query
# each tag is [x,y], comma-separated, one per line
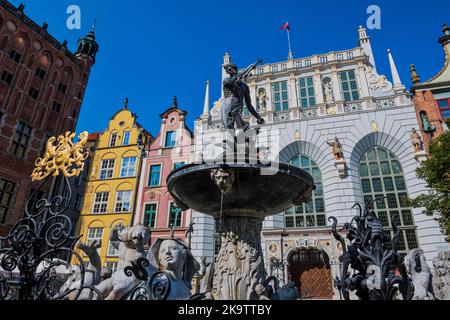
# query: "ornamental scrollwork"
[62,155]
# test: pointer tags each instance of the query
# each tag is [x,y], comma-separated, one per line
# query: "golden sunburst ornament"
[62,156]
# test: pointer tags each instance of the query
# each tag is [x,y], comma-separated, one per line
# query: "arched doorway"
[310,270]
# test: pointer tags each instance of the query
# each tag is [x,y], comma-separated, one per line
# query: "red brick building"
[42,85]
[432,97]
[171,149]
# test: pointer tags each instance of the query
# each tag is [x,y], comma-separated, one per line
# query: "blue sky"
[153,50]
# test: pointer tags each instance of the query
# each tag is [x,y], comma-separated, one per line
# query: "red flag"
[286,26]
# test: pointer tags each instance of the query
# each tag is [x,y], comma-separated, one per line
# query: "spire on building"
[364,43]
[226,59]
[175,102]
[445,40]
[125,104]
[207,104]
[94,25]
[398,85]
[363,37]
[414,76]
[87,45]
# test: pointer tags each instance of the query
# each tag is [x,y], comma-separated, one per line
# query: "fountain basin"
[253,194]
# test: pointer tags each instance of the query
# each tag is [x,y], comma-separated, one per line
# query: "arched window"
[311,214]
[382,176]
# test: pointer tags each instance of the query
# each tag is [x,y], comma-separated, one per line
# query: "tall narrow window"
[382,176]
[7,77]
[33,93]
[155,176]
[15,56]
[444,108]
[57,107]
[126,138]
[62,87]
[150,215]
[40,73]
[349,85]
[175,216]
[280,96]
[6,193]
[107,169]
[171,139]
[128,167]
[123,201]
[311,214]
[101,202]
[306,92]
[112,250]
[113,139]
[21,139]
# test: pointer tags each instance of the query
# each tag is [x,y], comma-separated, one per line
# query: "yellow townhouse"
[111,189]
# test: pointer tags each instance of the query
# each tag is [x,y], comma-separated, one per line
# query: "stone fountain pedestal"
[239,196]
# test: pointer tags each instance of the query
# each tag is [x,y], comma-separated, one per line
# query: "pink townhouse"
[170,150]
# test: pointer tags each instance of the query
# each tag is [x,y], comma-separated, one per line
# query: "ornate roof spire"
[87,45]
[125,104]
[94,25]
[175,102]
[398,86]
[414,76]
[207,104]
[226,59]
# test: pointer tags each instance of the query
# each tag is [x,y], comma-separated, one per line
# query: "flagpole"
[291,55]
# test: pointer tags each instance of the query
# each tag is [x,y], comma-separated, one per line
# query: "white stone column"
[269,91]
[363,83]
[293,98]
[336,85]
[318,88]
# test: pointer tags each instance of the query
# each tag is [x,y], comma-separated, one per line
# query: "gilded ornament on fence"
[62,156]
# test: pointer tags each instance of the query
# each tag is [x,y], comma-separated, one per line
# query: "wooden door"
[311,272]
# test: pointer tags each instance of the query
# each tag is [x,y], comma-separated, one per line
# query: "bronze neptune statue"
[236,91]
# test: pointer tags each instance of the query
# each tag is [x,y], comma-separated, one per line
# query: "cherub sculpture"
[130,242]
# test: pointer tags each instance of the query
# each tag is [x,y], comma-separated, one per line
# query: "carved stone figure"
[207,274]
[106,273]
[337,149]
[92,274]
[420,274]
[130,242]
[224,179]
[240,264]
[416,141]
[441,276]
[329,93]
[236,91]
[174,258]
[260,292]
[262,100]
[378,82]
[289,292]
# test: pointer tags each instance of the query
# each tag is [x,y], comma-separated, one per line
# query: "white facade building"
[306,103]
